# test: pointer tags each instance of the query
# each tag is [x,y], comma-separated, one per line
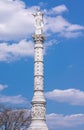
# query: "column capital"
[39,37]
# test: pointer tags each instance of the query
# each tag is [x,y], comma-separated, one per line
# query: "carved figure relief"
[38,111]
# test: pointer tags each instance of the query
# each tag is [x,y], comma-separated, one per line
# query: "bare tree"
[14,119]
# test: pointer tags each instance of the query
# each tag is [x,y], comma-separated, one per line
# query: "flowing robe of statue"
[38,22]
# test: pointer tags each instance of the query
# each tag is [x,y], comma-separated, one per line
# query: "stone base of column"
[38,125]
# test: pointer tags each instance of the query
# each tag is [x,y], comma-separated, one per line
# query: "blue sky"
[63,58]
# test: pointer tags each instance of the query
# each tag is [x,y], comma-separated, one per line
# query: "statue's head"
[38,11]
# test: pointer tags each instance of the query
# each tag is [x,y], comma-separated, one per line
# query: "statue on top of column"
[38,22]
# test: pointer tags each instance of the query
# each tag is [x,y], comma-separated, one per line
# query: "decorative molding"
[37,38]
[38,111]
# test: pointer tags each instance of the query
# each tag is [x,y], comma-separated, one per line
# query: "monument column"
[38,111]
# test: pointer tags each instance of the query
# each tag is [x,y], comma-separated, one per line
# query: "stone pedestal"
[38,111]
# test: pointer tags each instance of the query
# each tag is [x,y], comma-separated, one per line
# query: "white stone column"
[38,111]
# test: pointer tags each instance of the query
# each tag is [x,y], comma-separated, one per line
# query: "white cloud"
[71,96]
[60,26]
[10,52]
[17,22]
[23,49]
[19,99]
[2,87]
[51,43]
[56,121]
[58,10]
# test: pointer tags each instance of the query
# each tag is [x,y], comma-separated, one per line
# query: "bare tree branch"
[14,119]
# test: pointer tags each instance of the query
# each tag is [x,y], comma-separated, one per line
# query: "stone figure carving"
[38,22]
[38,111]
